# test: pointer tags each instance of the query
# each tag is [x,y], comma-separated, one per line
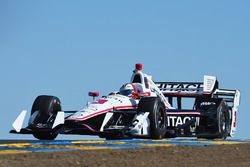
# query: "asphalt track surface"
[29,146]
[182,152]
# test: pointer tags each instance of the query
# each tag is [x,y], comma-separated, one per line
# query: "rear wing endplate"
[232,98]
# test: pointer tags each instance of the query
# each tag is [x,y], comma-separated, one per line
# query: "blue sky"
[67,48]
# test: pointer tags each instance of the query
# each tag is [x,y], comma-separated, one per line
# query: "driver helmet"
[127,90]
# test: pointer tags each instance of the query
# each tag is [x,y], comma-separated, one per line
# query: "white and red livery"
[141,108]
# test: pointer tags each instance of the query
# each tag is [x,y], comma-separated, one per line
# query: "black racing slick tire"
[45,135]
[221,127]
[223,121]
[47,108]
[157,116]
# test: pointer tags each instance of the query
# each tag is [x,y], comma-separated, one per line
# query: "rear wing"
[186,89]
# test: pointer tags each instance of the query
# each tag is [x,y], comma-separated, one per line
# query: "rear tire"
[157,116]
[222,121]
[47,108]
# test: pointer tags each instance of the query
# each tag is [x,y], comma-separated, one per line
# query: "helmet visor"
[127,92]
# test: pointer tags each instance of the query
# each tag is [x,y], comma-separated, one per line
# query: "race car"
[141,108]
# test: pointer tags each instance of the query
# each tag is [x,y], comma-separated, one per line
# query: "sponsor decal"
[234,123]
[207,103]
[175,121]
[181,87]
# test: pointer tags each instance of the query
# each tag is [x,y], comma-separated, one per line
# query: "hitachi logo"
[186,87]
[175,121]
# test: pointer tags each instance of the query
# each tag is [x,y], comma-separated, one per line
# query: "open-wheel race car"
[141,108]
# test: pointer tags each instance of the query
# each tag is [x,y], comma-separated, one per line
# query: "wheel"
[157,115]
[223,121]
[46,108]
[114,137]
[221,125]
[45,136]
[46,104]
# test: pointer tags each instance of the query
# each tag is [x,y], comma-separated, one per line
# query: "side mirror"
[94,94]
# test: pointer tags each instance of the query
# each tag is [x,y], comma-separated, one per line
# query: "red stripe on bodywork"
[103,111]
[89,128]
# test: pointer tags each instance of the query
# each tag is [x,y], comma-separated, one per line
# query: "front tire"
[47,108]
[157,115]
[45,136]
